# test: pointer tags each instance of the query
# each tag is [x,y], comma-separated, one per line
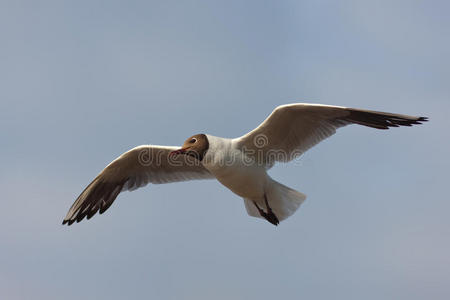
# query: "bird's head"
[195,146]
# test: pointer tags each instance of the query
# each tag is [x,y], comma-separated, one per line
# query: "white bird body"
[234,169]
[240,164]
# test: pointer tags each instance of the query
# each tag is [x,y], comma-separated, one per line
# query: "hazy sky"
[83,81]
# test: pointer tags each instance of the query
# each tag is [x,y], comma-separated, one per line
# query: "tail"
[283,201]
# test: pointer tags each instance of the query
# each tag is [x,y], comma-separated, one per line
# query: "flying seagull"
[240,164]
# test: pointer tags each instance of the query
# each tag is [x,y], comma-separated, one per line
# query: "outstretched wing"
[132,170]
[292,129]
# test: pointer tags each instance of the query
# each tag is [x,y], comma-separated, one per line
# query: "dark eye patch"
[192,141]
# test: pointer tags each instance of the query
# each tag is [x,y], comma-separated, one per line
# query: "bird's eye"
[193,140]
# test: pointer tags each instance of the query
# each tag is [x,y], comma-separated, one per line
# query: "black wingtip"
[68,222]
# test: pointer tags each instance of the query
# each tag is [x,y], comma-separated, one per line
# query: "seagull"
[240,164]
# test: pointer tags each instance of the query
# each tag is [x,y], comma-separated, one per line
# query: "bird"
[240,164]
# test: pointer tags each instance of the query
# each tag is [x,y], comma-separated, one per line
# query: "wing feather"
[292,129]
[132,170]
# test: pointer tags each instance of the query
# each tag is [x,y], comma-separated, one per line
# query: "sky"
[84,81]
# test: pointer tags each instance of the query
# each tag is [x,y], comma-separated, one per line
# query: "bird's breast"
[238,173]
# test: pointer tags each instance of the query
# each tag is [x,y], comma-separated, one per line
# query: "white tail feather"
[283,200]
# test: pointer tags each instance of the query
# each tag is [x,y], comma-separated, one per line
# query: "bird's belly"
[246,182]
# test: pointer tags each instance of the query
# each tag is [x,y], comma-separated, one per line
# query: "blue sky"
[84,81]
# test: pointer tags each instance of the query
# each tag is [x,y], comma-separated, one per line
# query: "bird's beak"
[179,151]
